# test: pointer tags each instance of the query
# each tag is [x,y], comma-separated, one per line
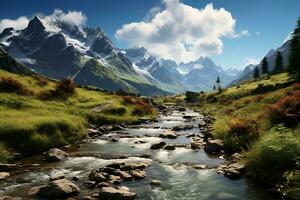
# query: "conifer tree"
[264,66]
[256,73]
[294,56]
[278,63]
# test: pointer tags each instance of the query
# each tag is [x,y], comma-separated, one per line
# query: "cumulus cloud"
[17,24]
[181,32]
[70,17]
[253,61]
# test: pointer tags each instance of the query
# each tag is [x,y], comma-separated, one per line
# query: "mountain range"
[56,49]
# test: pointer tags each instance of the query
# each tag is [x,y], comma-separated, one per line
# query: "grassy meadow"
[35,117]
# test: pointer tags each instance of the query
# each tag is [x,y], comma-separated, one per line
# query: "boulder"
[93,132]
[155,183]
[116,194]
[117,128]
[170,147]
[213,146]
[114,140]
[183,127]
[158,145]
[55,154]
[168,134]
[89,184]
[233,174]
[58,189]
[181,109]
[97,175]
[4,175]
[56,176]
[137,174]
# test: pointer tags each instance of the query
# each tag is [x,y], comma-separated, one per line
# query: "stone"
[125,176]
[114,140]
[213,146]
[117,128]
[158,145]
[75,178]
[137,174]
[97,175]
[116,194]
[168,134]
[116,165]
[140,142]
[56,176]
[58,189]
[4,175]
[93,132]
[200,166]
[155,183]
[232,174]
[182,127]
[33,191]
[103,184]
[196,145]
[55,154]
[181,109]
[169,147]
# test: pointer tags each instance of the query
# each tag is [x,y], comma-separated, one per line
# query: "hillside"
[37,114]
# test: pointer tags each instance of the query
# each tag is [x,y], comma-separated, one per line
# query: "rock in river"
[158,145]
[213,146]
[55,155]
[4,175]
[168,134]
[116,194]
[58,189]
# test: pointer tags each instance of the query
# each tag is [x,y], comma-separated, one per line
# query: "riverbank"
[37,113]
[260,120]
[153,160]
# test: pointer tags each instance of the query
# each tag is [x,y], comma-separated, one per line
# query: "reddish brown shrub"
[42,81]
[286,110]
[65,87]
[9,85]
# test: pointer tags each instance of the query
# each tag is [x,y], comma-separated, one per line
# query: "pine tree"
[256,73]
[218,81]
[264,66]
[214,87]
[278,63]
[294,56]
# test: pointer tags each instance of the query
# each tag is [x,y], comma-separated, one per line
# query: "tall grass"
[275,153]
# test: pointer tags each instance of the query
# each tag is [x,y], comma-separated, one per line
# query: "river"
[179,181]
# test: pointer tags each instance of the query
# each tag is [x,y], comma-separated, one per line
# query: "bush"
[286,110]
[143,108]
[42,81]
[10,85]
[273,154]
[65,87]
[236,133]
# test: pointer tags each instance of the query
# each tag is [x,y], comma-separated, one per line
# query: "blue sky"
[268,22]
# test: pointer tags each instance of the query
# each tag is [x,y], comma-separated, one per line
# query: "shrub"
[273,154]
[143,108]
[65,87]
[9,85]
[286,110]
[236,133]
[42,81]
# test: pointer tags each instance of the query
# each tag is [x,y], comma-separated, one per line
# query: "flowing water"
[179,181]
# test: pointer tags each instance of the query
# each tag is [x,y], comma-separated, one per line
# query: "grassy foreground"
[259,119]
[31,120]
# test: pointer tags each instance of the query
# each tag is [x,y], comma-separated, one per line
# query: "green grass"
[30,125]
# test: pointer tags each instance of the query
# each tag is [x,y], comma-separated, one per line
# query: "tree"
[264,66]
[256,73]
[278,63]
[214,87]
[218,81]
[294,56]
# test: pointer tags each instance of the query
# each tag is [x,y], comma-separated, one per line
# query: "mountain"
[56,49]
[9,64]
[202,74]
[247,74]
[160,72]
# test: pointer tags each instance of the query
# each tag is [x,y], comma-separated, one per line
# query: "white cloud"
[257,33]
[249,61]
[26,60]
[71,17]
[17,24]
[241,34]
[181,32]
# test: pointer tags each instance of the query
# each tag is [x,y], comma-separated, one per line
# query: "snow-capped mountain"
[58,50]
[247,74]
[197,75]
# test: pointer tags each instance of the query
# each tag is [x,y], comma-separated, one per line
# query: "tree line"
[293,66]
